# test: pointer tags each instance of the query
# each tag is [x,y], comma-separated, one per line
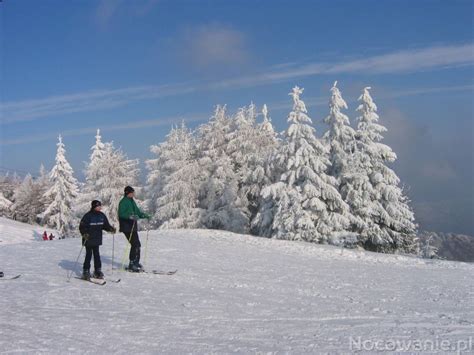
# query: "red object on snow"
[45,236]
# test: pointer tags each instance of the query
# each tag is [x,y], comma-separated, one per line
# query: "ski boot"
[133,267]
[1,274]
[98,274]
[86,275]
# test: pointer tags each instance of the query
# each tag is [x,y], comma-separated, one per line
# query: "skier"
[128,214]
[51,236]
[45,235]
[91,227]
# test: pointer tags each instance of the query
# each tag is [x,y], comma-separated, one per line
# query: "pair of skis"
[102,282]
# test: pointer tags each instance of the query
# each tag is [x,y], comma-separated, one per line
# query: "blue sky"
[134,68]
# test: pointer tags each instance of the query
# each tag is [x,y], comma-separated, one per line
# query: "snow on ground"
[12,232]
[232,293]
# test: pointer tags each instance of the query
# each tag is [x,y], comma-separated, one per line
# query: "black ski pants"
[87,262]
[134,246]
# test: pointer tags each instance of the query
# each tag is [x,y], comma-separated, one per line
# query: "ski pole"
[75,264]
[146,245]
[113,252]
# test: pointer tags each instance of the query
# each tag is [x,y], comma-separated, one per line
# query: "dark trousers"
[134,246]
[87,262]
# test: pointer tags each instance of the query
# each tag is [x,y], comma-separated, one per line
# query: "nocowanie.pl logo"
[437,344]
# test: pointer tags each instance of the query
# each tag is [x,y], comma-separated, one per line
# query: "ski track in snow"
[232,293]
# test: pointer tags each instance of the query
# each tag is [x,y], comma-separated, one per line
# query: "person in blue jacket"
[91,227]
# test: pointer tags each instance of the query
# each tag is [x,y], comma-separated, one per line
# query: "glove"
[134,217]
[147,216]
[85,236]
[113,230]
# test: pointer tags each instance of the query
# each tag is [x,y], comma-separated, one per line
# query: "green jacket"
[128,208]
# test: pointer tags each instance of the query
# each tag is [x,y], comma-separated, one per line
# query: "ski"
[10,278]
[154,272]
[161,272]
[99,282]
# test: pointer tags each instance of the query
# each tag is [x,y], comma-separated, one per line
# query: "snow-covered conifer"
[107,172]
[263,174]
[116,172]
[62,194]
[173,181]
[341,136]
[23,208]
[385,221]
[4,206]
[219,189]
[94,170]
[306,203]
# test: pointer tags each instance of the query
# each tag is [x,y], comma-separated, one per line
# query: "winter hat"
[128,189]
[95,203]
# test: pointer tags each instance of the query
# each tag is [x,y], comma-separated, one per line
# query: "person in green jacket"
[129,214]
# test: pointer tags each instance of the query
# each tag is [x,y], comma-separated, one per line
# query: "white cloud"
[117,127]
[208,51]
[87,101]
[212,45]
[105,11]
[397,62]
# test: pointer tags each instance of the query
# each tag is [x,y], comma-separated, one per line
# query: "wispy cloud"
[208,46]
[87,101]
[117,127]
[430,58]
[397,62]
[105,11]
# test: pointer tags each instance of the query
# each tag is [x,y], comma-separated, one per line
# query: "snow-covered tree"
[248,147]
[93,172]
[263,174]
[29,201]
[62,194]
[21,209]
[385,221]
[306,203]
[219,195]
[427,249]
[341,136]
[107,172]
[120,172]
[173,181]
[4,206]
[8,185]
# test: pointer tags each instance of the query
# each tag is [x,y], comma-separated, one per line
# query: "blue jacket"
[92,225]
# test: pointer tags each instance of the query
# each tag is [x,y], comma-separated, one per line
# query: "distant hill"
[451,246]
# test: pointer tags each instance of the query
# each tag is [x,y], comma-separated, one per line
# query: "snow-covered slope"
[12,232]
[231,293]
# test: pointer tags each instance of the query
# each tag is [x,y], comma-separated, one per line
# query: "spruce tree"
[62,194]
[263,175]
[23,209]
[306,203]
[341,136]
[386,222]
[176,196]
[219,194]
